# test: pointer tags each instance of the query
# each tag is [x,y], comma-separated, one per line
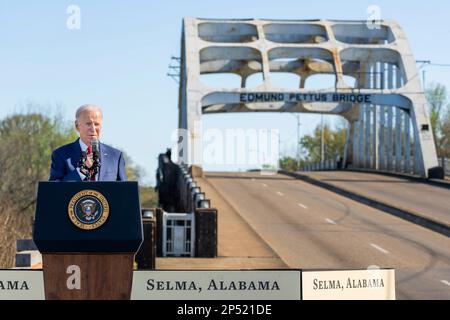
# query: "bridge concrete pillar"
[416,153]
[382,121]
[407,166]
[382,138]
[375,124]
[367,123]
[390,112]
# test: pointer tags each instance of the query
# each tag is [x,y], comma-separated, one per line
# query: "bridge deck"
[312,228]
[421,198]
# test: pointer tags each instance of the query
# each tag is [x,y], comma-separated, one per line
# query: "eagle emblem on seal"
[88,209]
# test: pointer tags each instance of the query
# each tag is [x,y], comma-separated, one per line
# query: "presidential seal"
[88,209]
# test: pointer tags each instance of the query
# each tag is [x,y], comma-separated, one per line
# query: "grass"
[148,197]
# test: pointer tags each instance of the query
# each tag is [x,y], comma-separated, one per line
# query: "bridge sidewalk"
[239,246]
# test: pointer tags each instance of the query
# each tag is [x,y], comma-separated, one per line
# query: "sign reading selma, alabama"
[217,285]
[229,285]
[376,284]
[21,285]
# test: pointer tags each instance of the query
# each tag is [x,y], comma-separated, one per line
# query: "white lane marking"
[379,248]
[280,193]
[330,221]
[303,206]
[445,282]
[264,185]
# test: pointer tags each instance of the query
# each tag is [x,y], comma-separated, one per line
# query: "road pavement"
[311,228]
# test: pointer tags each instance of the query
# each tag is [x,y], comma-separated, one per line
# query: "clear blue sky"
[119,60]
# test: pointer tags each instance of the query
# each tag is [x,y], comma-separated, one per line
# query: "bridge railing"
[183,203]
[330,165]
[327,165]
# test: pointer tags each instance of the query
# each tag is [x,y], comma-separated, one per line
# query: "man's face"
[89,125]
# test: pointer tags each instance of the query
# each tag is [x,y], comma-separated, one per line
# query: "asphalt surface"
[311,228]
[427,200]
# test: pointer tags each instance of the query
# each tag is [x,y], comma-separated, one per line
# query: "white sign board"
[21,285]
[216,285]
[378,284]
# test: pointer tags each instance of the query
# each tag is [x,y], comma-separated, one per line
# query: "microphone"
[95,147]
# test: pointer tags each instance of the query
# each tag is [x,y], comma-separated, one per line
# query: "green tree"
[445,129]
[334,143]
[439,113]
[148,197]
[289,163]
[26,143]
[134,172]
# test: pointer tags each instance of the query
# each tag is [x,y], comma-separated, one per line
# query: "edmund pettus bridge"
[385,204]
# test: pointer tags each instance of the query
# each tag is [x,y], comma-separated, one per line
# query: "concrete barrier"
[145,257]
[206,233]
[185,196]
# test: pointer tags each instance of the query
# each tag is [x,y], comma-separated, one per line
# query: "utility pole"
[322,144]
[424,83]
[424,63]
[175,70]
[298,141]
[279,154]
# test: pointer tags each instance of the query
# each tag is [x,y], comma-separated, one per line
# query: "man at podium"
[86,159]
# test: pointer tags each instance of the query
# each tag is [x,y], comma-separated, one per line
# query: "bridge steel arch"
[384,102]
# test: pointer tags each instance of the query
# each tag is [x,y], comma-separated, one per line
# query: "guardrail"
[191,197]
[326,165]
[194,201]
[329,165]
[179,193]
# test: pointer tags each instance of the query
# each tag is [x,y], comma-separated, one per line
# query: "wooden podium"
[88,234]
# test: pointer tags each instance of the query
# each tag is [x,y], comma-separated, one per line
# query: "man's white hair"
[84,107]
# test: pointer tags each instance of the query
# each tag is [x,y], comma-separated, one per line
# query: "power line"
[439,65]
[426,63]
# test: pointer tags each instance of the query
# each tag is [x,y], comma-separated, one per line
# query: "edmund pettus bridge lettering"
[252,97]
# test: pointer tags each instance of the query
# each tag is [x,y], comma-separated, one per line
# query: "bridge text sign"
[254,97]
